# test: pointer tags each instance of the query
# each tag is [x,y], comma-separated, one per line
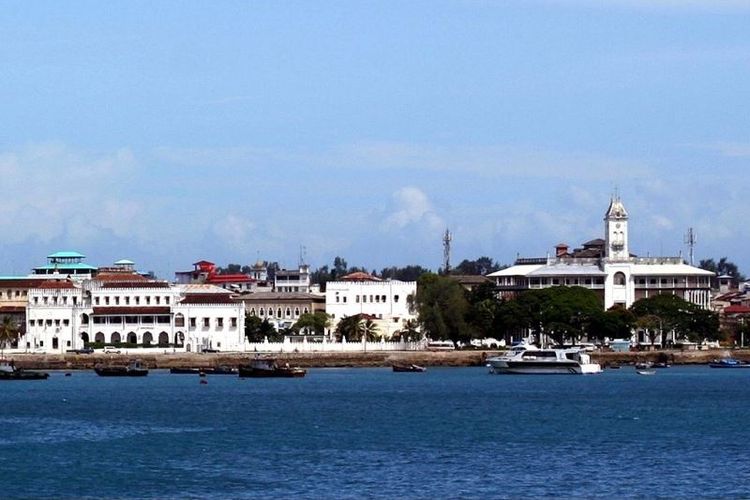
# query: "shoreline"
[71,361]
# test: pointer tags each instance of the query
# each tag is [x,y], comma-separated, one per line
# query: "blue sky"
[169,132]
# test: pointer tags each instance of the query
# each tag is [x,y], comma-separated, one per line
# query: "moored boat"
[544,361]
[214,370]
[133,369]
[408,368]
[728,363]
[8,371]
[268,367]
[646,372]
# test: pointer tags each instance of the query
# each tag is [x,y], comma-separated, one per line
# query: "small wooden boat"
[408,368]
[133,369]
[646,372]
[268,367]
[8,371]
[216,370]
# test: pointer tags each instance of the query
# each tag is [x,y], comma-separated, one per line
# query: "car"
[110,349]
[211,350]
[85,350]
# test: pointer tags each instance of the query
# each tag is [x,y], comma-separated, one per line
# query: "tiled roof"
[736,309]
[120,276]
[131,310]
[21,282]
[55,284]
[208,298]
[359,276]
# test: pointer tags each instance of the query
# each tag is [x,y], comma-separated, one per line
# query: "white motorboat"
[535,361]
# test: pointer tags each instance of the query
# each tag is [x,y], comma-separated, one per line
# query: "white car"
[110,349]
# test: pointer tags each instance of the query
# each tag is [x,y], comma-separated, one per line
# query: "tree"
[367,329]
[482,266]
[257,330]
[410,331]
[348,327]
[615,323]
[316,322]
[442,306]
[408,273]
[674,314]
[9,333]
[724,267]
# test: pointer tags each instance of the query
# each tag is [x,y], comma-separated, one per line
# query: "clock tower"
[616,229]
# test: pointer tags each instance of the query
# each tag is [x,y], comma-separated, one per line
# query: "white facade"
[385,301]
[63,315]
[611,271]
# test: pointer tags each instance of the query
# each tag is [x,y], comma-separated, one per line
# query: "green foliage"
[408,273]
[312,323]
[481,266]
[354,327]
[257,330]
[442,307]
[666,312]
[723,267]
[615,323]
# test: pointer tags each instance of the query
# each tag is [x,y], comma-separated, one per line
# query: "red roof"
[115,276]
[55,284]
[208,298]
[229,278]
[736,309]
[131,310]
[359,276]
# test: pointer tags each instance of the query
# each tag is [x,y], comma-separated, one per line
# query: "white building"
[607,267]
[292,281]
[386,302]
[123,307]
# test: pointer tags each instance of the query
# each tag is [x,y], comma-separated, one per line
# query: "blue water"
[352,433]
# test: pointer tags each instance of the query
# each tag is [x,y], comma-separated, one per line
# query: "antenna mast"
[447,238]
[690,240]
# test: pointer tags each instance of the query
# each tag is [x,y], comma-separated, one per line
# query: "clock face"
[617,225]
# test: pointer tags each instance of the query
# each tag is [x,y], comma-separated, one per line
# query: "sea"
[371,433]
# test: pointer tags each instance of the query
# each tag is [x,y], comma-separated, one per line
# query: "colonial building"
[120,306]
[282,310]
[205,272]
[387,302]
[607,267]
[295,280]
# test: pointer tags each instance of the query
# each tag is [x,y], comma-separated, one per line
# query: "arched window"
[288,312]
[296,312]
[262,312]
[147,338]
[179,338]
[132,338]
[619,279]
[278,312]
[85,337]
[99,337]
[163,338]
[252,312]
[179,320]
[114,339]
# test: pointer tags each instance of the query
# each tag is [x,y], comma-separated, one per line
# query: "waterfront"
[449,432]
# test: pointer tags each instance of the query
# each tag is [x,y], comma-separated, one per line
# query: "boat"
[8,371]
[215,370]
[646,372]
[268,367]
[728,363]
[408,368]
[133,369]
[644,365]
[535,361]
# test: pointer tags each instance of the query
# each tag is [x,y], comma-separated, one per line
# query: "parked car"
[85,350]
[110,349]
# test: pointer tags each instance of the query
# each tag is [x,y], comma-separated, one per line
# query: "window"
[137,300]
[364,298]
[75,300]
[356,299]
[36,300]
[127,301]
[158,300]
[206,322]
[49,322]
[57,322]
[96,301]
[395,298]
[131,319]
[220,322]
[234,322]
[166,300]
[288,312]
[619,279]
[117,301]
[382,298]
[192,322]
[106,301]
[148,301]
[278,312]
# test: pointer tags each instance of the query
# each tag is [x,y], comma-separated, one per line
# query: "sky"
[170,132]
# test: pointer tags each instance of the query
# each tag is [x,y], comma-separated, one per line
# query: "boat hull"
[408,369]
[274,373]
[120,372]
[507,367]
[23,375]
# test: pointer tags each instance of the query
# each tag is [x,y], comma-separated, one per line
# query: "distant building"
[282,310]
[292,281]
[607,267]
[66,264]
[387,302]
[205,272]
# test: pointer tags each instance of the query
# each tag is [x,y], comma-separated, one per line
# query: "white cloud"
[236,232]
[412,207]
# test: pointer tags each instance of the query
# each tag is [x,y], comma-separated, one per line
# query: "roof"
[202,262]
[280,297]
[736,309]
[517,270]
[200,288]
[66,255]
[616,209]
[208,298]
[229,278]
[470,279]
[596,242]
[13,282]
[135,284]
[568,270]
[68,265]
[56,284]
[124,262]
[120,276]
[359,276]
[667,269]
[131,310]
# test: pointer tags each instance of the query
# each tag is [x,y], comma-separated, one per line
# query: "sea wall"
[344,359]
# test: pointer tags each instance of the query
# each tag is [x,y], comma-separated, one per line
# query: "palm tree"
[9,332]
[367,329]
